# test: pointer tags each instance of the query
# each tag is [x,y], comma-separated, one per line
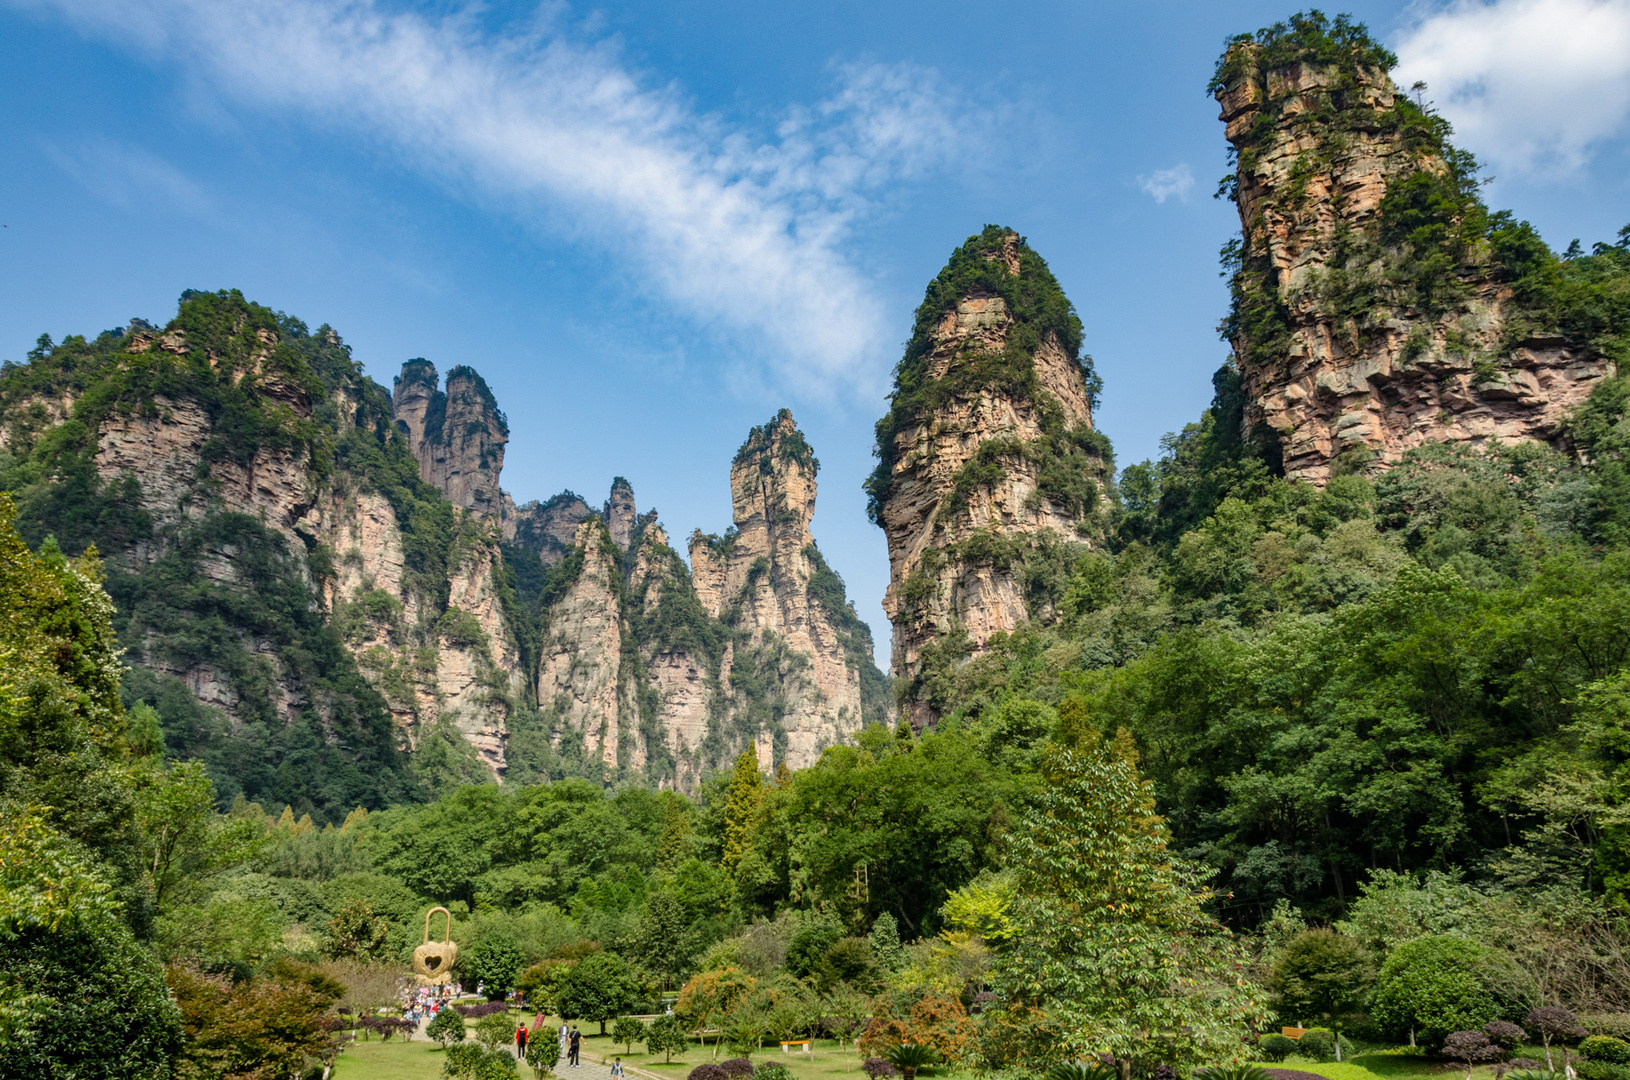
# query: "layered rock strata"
[1371,314]
[990,472]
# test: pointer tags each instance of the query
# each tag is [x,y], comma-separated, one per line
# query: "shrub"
[1275,1047]
[879,1068]
[495,1031]
[1504,1033]
[1433,986]
[1606,1049]
[1234,1072]
[1601,1070]
[772,1070]
[708,1072]
[468,1061]
[445,1027]
[1319,1044]
[476,1012]
[543,1053]
[1553,1024]
[737,1067]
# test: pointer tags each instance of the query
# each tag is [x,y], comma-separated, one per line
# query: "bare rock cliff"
[990,472]
[1372,313]
[458,436]
[765,580]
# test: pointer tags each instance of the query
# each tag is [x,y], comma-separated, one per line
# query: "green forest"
[1352,759]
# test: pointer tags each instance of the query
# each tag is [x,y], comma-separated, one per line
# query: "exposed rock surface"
[989,462]
[458,436]
[582,650]
[764,581]
[547,529]
[1368,319]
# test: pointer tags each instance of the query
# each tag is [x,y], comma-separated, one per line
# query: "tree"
[185,843]
[258,1027]
[494,961]
[741,810]
[659,943]
[78,995]
[1553,1023]
[666,1036]
[599,987]
[1111,939]
[628,1030]
[709,996]
[909,1057]
[885,942]
[356,933]
[1472,1048]
[1433,986]
[1324,975]
[673,847]
[446,1027]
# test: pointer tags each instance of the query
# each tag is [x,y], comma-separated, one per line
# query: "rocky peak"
[1369,314]
[622,518]
[988,461]
[458,437]
[549,528]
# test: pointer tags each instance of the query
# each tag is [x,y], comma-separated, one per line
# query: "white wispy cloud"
[737,230]
[1164,184]
[1528,84]
[129,176]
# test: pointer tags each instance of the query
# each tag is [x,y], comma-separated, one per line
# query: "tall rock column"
[458,436]
[989,472]
[1371,306]
[768,583]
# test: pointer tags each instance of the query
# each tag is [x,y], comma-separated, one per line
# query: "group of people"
[571,1044]
[427,1001]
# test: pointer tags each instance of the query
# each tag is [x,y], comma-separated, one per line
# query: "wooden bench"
[796,1042]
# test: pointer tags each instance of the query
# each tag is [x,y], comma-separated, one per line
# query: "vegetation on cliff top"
[1039,310]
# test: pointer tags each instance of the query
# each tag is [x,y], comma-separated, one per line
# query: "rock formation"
[458,437]
[293,547]
[765,580]
[990,474]
[1372,307]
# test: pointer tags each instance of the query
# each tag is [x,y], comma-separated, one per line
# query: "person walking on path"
[617,1069]
[520,1041]
[576,1046]
[565,1042]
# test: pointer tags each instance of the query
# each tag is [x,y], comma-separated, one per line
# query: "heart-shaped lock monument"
[434,960]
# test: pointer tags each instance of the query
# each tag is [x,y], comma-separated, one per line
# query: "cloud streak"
[739,232]
[1173,183]
[1528,84]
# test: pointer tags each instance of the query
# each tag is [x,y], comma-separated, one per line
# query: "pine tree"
[885,942]
[674,844]
[742,803]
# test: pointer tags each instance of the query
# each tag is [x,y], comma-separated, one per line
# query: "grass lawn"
[1399,1064]
[394,1060]
[829,1060]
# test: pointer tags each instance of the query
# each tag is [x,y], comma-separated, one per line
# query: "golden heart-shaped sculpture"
[434,960]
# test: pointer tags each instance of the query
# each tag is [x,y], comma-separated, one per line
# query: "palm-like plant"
[1081,1070]
[909,1057]
[1236,1072]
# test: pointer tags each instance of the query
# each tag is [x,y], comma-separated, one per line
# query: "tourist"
[617,1069]
[520,1041]
[574,1046]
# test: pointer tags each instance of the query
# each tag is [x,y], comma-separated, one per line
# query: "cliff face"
[1372,306]
[765,581]
[329,598]
[990,473]
[649,667]
[269,548]
[458,437]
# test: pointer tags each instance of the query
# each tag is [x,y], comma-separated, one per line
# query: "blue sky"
[652,224]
